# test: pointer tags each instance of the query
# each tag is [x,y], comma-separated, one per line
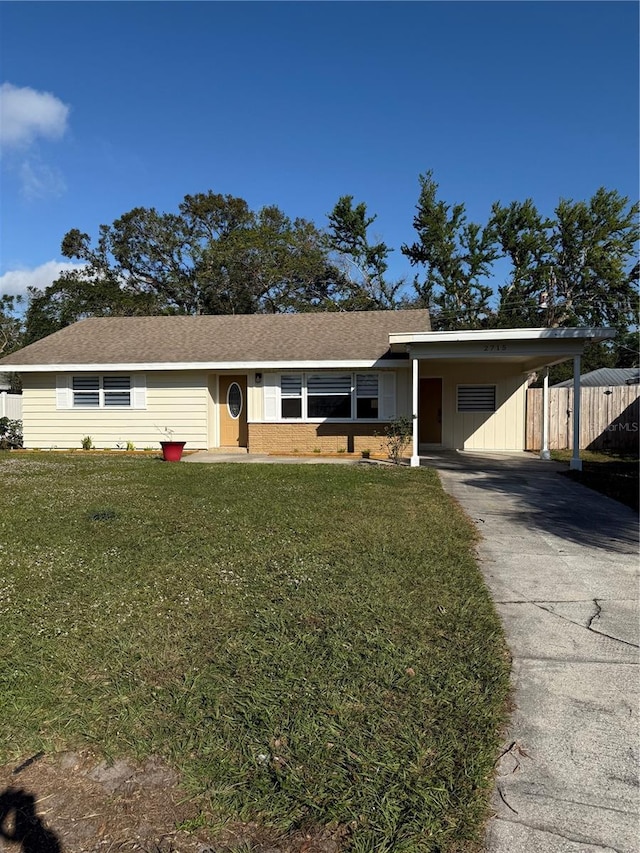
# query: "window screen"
[86,391]
[291,396]
[367,395]
[329,396]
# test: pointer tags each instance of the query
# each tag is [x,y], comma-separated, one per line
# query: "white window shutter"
[271,389]
[139,391]
[387,396]
[64,395]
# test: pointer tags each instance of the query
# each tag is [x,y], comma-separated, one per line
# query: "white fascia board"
[131,367]
[591,333]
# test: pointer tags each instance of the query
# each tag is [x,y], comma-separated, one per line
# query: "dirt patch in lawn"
[76,803]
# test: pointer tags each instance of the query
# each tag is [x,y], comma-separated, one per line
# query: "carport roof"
[467,335]
[527,349]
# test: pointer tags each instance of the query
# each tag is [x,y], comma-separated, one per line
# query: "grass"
[614,475]
[308,645]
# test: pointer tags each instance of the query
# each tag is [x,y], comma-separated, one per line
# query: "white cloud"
[26,115]
[37,180]
[16,282]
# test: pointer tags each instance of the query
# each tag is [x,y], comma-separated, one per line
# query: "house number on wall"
[495,347]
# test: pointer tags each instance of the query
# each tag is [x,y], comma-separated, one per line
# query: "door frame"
[245,406]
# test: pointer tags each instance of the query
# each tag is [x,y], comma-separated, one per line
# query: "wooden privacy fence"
[10,406]
[609,418]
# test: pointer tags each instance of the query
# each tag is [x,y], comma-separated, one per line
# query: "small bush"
[10,434]
[398,435]
[87,443]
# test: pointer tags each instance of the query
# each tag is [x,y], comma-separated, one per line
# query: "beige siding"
[404,392]
[213,436]
[503,429]
[254,398]
[178,400]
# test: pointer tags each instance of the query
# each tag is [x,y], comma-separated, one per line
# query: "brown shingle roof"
[216,338]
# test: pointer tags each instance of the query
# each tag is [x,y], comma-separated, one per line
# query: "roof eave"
[288,364]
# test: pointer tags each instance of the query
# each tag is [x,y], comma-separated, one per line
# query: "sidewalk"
[561,562]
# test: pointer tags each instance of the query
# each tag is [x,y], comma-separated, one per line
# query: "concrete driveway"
[561,562]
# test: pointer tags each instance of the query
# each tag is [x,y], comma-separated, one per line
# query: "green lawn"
[307,644]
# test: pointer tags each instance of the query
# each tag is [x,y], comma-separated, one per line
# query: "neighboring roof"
[213,340]
[605,376]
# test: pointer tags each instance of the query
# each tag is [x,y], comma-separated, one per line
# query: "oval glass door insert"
[234,400]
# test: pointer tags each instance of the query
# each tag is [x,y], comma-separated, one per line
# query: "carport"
[469,387]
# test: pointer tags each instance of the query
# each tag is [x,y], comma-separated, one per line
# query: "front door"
[430,412]
[233,411]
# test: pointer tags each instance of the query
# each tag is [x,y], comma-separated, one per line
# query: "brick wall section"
[306,438]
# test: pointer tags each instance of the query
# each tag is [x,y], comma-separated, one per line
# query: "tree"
[525,239]
[627,349]
[11,332]
[270,264]
[11,324]
[215,256]
[364,264]
[457,256]
[573,270]
[592,247]
[75,296]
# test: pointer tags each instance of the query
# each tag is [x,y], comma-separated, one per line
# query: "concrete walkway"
[561,562]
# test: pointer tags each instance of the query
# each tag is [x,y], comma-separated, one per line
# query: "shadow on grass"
[616,480]
[544,500]
[20,824]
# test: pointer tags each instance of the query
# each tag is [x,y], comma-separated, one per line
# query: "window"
[117,390]
[95,391]
[101,391]
[329,396]
[476,398]
[86,391]
[367,395]
[234,401]
[291,396]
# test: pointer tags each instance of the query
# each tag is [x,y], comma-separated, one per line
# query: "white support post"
[544,453]
[576,463]
[415,455]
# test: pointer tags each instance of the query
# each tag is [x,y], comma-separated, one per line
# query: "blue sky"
[109,106]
